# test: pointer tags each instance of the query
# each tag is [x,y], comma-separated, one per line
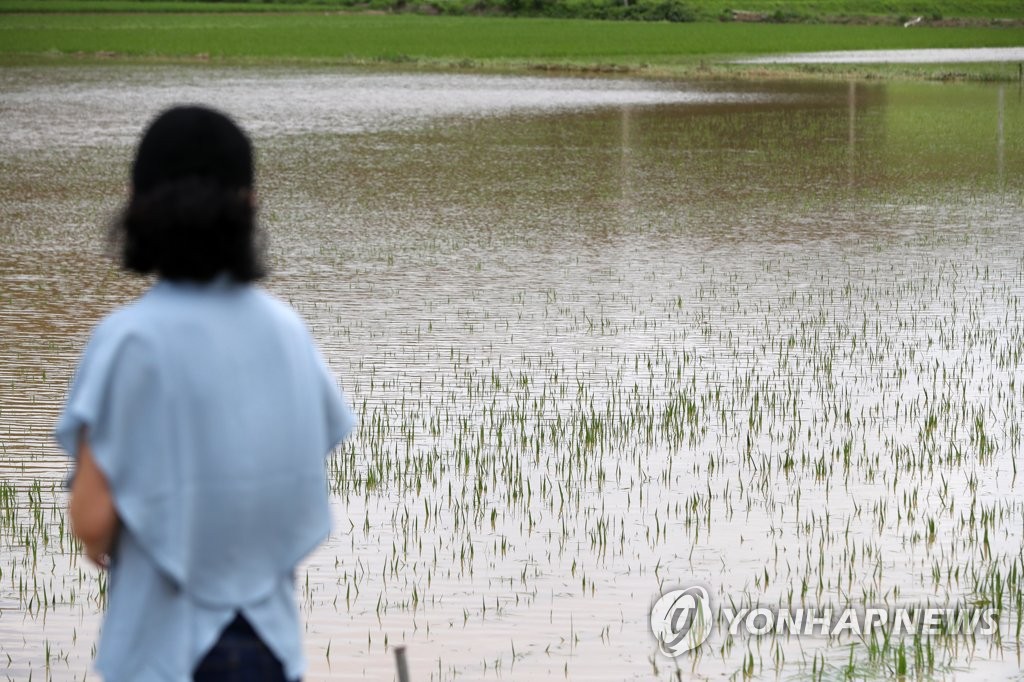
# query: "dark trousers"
[239,656]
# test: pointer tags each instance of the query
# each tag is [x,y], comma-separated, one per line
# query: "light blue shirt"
[210,411]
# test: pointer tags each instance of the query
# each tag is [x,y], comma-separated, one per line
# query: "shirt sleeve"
[112,398]
[340,418]
[116,398]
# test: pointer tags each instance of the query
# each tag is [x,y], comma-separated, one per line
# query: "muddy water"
[605,337]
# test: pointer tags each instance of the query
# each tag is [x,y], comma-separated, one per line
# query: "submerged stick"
[403,668]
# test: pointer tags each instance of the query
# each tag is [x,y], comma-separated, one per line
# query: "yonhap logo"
[681,620]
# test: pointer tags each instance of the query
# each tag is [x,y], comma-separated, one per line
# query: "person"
[199,420]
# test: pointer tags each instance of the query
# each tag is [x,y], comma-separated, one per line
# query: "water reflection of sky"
[92,111]
[924,56]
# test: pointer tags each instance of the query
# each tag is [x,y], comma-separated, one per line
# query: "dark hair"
[191,213]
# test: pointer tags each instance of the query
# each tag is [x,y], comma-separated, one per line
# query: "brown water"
[605,338]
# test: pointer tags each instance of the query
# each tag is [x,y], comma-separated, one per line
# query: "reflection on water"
[100,107]
[606,337]
[923,56]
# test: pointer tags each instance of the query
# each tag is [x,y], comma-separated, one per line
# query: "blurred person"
[199,421]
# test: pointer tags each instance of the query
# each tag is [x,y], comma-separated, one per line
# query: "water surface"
[951,55]
[605,337]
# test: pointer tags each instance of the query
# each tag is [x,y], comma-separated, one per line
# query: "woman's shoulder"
[173,300]
[127,321]
[168,316]
[275,305]
[270,313]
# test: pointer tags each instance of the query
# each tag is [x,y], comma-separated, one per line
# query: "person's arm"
[91,507]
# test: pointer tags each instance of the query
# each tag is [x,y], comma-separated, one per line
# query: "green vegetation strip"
[354,38]
[152,6]
[700,10]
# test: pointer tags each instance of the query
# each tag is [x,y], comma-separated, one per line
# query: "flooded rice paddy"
[606,338]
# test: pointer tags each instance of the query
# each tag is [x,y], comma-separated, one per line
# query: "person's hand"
[101,559]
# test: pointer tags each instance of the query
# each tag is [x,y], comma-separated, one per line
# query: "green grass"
[949,8]
[812,10]
[175,30]
[154,6]
[409,37]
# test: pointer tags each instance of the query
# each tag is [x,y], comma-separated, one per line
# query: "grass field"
[701,9]
[361,37]
[502,43]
